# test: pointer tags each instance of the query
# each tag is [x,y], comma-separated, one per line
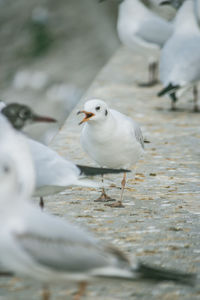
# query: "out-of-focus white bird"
[13,142]
[111,139]
[139,28]
[177,3]
[53,172]
[180,57]
[46,248]
[197,11]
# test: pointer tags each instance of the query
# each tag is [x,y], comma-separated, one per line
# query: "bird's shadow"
[177,110]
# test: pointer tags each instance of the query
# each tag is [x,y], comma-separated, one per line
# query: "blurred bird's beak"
[37,118]
[165,2]
[88,115]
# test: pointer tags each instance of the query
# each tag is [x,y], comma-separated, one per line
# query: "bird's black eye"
[24,113]
[97,108]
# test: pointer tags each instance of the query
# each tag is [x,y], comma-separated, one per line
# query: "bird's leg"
[195,94]
[119,204]
[153,75]
[154,70]
[173,105]
[103,197]
[123,183]
[173,101]
[81,290]
[45,293]
[41,202]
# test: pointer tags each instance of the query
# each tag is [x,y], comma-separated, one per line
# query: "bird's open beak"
[88,115]
[37,118]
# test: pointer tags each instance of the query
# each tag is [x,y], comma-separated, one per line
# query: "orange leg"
[119,204]
[45,293]
[123,183]
[81,290]
[103,197]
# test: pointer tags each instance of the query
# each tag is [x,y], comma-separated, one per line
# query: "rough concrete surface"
[160,222]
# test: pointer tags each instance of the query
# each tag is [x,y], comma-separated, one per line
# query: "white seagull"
[180,57]
[140,28]
[111,139]
[54,173]
[37,245]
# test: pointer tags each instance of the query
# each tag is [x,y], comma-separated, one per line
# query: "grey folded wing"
[138,134]
[60,254]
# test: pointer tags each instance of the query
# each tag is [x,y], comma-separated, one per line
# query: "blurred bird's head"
[118,1]
[20,115]
[175,3]
[94,110]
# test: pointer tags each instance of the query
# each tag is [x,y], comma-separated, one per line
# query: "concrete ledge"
[160,222]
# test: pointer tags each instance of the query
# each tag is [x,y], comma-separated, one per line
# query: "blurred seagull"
[138,27]
[53,172]
[36,245]
[111,139]
[12,141]
[180,57]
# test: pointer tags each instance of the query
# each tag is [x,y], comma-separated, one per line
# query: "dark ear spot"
[106,112]
[6,169]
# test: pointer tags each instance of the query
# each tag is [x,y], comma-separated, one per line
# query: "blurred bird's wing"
[58,245]
[155,31]
[179,62]
[51,168]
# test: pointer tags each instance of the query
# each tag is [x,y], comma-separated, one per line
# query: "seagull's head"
[20,115]
[95,110]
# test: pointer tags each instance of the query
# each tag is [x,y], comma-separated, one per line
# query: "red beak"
[88,115]
[37,118]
